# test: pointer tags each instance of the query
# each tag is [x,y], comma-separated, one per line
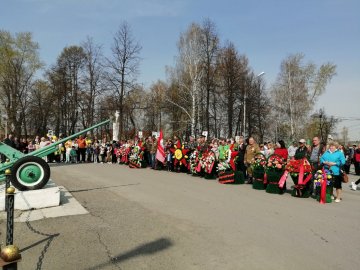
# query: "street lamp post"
[320,115]
[244,116]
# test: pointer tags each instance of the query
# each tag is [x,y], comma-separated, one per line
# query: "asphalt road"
[145,219]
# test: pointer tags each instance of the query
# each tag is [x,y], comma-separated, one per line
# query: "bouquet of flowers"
[258,162]
[125,154]
[119,153]
[275,167]
[275,163]
[226,175]
[319,177]
[208,161]
[194,161]
[136,157]
[223,166]
[323,195]
[227,155]
[258,165]
[294,168]
[300,172]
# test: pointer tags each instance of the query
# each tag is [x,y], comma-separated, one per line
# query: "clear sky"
[266,31]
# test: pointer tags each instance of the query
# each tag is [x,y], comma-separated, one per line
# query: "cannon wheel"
[30,173]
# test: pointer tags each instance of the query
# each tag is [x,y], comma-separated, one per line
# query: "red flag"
[160,153]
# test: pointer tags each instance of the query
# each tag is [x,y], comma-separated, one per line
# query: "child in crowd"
[31,147]
[73,155]
[102,153]
[68,146]
[169,162]
[109,154]
[96,151]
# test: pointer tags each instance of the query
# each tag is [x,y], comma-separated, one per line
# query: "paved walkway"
[145,219]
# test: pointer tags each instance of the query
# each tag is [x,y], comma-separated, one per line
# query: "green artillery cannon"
[31,171]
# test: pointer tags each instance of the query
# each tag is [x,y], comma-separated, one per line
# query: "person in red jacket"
[357,160]
[281,150]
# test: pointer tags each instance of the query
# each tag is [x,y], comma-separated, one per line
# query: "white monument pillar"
[116,126]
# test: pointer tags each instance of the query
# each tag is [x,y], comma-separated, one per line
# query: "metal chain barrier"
[10,219]
[32,229]
[10,254]
[7,185]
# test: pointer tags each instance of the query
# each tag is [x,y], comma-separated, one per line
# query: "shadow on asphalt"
[61,164]
[39,242]
[142,250]
[64,164]
[90,189]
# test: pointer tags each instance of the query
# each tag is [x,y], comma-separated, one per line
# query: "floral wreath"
[293,166]
[194,160]
[208,161]
[276,163]
[258,162]
[137,155]
[223,166]
[319,177]
[179,155]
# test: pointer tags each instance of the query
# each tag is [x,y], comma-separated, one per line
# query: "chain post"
[7,185]
[10,196]
[10,252]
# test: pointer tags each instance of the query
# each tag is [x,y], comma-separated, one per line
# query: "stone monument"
[116,126]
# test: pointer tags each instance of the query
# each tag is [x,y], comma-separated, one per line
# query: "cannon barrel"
[30,171]
[51,148]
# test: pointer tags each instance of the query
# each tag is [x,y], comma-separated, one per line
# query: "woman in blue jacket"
[332,160]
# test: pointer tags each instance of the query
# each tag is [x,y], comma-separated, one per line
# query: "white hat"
[302,141]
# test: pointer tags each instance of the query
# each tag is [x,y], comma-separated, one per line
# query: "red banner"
[283,179]
[232,163]
[160,153]
[323,188]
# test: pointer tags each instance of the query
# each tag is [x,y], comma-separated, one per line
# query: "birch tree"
[297,88]
[210,45]
[190,64]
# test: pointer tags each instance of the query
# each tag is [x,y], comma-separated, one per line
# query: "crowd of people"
[198,156]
